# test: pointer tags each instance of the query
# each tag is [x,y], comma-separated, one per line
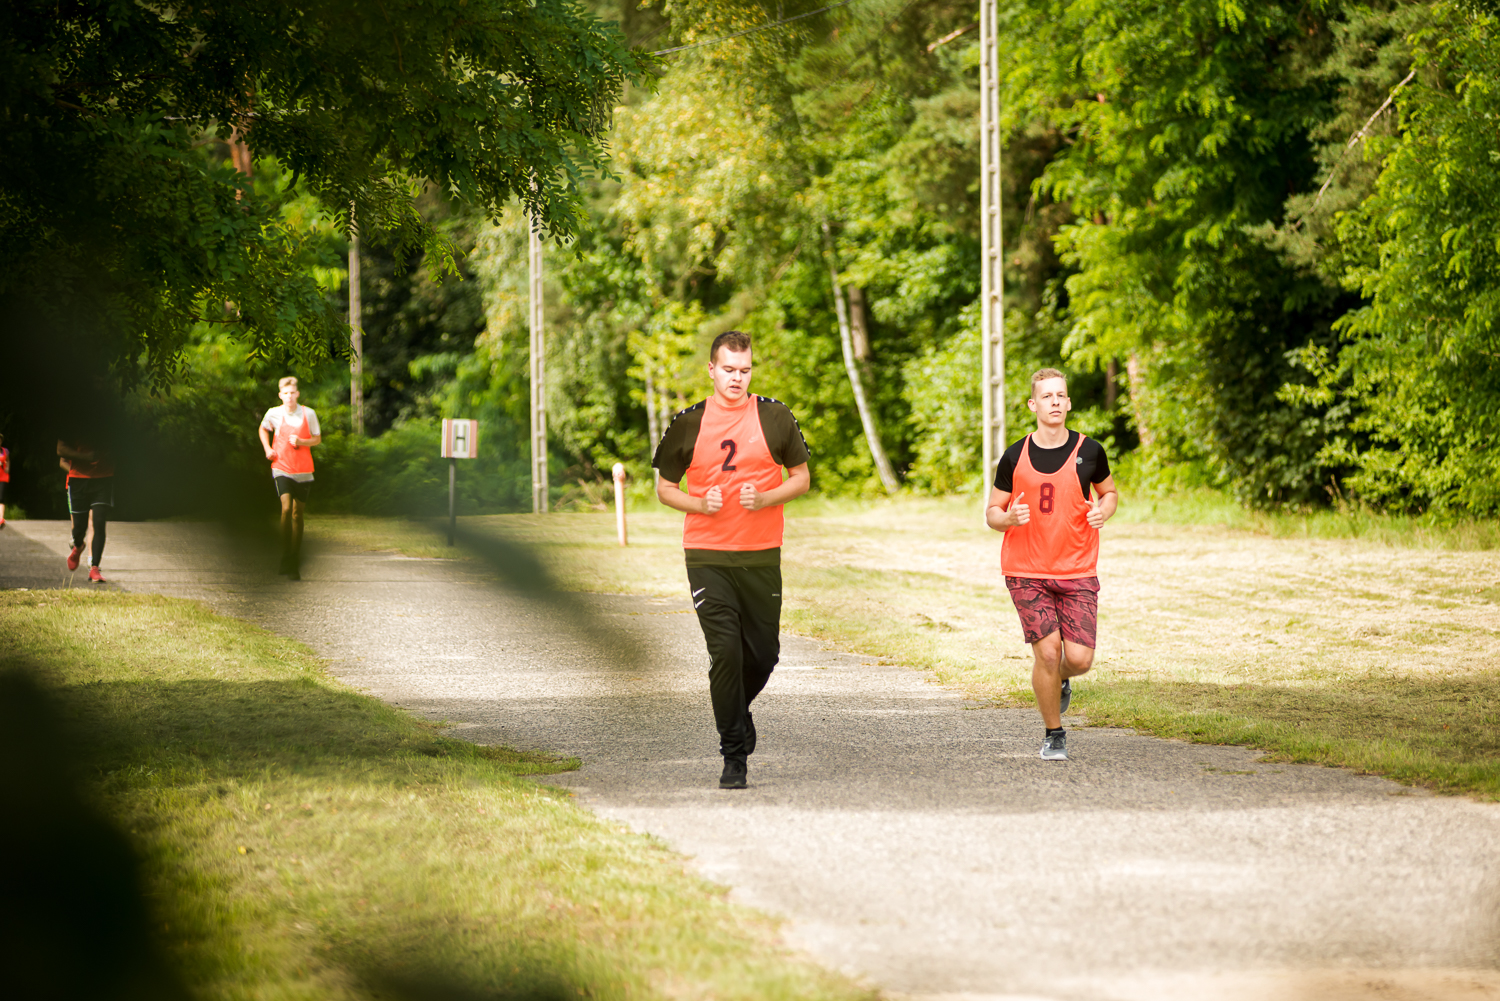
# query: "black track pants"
[101,530]
[739,609]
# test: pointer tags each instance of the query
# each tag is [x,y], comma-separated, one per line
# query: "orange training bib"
[731,451]
[1057,543]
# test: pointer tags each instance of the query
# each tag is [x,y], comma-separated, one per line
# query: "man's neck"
[291,408]
[727,405]
[1046,437]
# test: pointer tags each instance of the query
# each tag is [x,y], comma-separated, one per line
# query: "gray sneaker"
[1055,748]
[1067,696]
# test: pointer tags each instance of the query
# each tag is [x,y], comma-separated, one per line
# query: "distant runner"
[91,490]
[731,448]
[4,476]
[288,434]
[1051,551]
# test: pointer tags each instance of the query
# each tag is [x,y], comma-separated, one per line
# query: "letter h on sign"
[460,439]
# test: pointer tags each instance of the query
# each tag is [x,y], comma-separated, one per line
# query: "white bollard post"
[619,472]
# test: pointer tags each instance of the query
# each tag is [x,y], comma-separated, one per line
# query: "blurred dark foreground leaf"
[74,923]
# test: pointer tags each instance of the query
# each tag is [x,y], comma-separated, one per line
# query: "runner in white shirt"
[288,433]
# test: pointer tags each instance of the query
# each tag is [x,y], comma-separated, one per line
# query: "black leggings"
[101,526]
[739,609]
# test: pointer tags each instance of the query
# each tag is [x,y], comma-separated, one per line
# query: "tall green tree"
[109,205]
[1419,375]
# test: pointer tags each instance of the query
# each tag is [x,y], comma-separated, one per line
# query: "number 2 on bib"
[1045,503]
[728,445]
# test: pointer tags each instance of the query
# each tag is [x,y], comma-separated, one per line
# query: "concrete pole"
[619,477]
[539,501]
[992,241]
[356,334]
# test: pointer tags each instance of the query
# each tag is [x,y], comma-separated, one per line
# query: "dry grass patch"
[1342,638]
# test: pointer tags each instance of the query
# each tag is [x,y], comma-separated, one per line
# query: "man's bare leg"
[1053,661]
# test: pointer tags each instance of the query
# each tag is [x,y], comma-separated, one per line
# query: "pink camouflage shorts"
[1048,606]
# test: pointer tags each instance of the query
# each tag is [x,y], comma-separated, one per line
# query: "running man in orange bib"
[728,453]
[91,497]
[1041,501]
[4,477]
[288,433]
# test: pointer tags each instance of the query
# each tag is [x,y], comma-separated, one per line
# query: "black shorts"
[2,491]
[87,492]
[298,490]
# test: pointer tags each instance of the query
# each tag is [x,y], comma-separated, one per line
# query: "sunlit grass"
[1345,521]
[305,841]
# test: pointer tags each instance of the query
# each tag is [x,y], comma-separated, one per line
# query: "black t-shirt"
[1093,464]
[675,454]
[783,438]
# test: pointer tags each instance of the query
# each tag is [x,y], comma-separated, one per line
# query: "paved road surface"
[912,838]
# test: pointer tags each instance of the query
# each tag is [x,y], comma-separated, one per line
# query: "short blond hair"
[285,381]
[1042,374]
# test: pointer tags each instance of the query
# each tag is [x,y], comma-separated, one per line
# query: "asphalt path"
[910,837]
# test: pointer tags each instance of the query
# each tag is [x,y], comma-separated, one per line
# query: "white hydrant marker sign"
[460,441]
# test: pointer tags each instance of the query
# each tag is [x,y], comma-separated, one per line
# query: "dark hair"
[734,340]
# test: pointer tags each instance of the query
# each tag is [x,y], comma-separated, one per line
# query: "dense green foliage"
[108,107]
[1259,238]
[125,228]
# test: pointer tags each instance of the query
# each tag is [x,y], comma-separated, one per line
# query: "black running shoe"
[1067,696]
[734,774]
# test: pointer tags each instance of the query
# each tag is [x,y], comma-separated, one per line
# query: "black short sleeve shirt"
[783,437]
[1093,464]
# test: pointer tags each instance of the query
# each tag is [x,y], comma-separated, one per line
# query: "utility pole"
[356,334]
[538,381]
[992,243]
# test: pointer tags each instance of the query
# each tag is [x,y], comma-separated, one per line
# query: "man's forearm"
[1108,504]
[788,491]
[676,498]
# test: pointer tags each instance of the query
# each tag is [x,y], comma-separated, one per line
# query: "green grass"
[305,841]
[1444,735]
[1349,639]
[1345,521]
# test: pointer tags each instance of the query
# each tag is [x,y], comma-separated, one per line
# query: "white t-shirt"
[273,420]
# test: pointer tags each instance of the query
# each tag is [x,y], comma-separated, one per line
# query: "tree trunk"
[1135,376]
[857,326]
[851,366]
[653,426]
[1111,383]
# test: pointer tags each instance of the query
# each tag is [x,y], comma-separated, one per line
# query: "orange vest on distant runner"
[81,469]
[1057,543]
[731,451]
[4,465]
[289,459]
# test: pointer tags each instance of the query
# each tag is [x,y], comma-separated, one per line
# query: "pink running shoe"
[96,577]
[73,557]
